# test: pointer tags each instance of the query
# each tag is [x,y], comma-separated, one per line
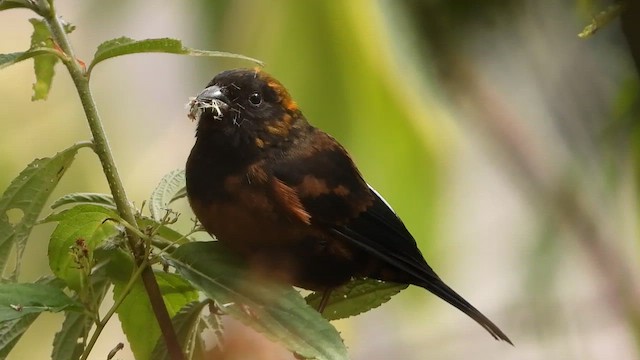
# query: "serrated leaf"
[85,198]
[279,312]
[136,314]
[25,198]
[69,342]
[65,343]
[125,46]
[11,331]
[355,297]
[176,291]
[5,252]
[186,324]
[170,184]
[86,222]
[18,300]
[43,65]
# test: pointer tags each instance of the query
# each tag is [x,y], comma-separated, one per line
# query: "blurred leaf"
[182,192]
[86,222]
[18,300]
[278,312]
[12,58]
[23,200]
[125,46]
[43,64]
[601,20]
[165,192]
[136,314]
[355,297]
[68,27]
[65,344]
[104,200]
[12,4]
[188,324]
[11,331]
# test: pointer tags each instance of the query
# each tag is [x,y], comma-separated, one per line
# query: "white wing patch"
[381,198]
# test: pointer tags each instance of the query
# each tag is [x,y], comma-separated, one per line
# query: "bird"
[288,199]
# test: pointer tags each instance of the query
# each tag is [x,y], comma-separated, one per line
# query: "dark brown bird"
[287,198]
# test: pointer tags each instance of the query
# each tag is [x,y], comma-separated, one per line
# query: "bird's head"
[245,104]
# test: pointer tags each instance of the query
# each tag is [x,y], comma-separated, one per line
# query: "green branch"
[102,149]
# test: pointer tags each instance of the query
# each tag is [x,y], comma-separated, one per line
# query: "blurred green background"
[506,143]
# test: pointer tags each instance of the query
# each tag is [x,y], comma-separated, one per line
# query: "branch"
[102,149]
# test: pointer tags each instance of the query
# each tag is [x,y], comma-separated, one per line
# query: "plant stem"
[102,149]
[102,323]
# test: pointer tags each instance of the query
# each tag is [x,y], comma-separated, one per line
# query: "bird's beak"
[211,94]
[210,99]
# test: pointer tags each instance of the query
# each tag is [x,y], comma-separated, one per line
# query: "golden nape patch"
[285,99]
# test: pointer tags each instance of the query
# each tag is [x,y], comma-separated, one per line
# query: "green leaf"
[18,300]
[355,297]
[69,342]
[105,200]
[11,331]
[5,252]
[65,344]
[176,291]
[277,311]
[136,314]
[83,222]
[23,200]
[165,192]
[44,64]
[125,46]
[12,58]
[188,324]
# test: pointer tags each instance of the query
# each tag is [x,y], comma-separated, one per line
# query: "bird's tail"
[439,288]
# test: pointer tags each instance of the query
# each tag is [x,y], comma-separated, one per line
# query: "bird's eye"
[255,99]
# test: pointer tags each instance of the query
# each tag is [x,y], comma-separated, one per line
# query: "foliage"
[103,241]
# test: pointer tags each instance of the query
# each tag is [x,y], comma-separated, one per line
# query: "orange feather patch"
[288,198]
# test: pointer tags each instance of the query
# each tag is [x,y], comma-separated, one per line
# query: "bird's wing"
[325,188]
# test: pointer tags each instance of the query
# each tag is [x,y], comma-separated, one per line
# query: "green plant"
[102,241]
